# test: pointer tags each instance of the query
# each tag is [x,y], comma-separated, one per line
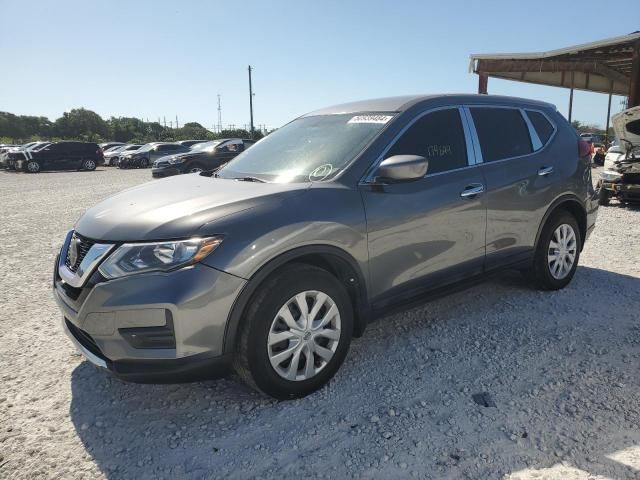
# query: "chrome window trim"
[472,158]
[474,136]
[368,176]
[536,144]
[94,256]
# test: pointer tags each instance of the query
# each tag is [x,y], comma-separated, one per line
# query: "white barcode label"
[371,119]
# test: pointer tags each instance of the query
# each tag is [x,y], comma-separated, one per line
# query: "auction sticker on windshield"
[371,119]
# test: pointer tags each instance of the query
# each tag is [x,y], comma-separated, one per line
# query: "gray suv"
[271,265]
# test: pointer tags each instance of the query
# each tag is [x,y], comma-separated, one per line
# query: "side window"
[439,137]
[543,127]
[502,132]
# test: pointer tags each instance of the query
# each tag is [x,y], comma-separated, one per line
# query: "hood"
[176,207]
[626,124]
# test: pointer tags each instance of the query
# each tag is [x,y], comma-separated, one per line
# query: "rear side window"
[439,137]
[502,132]
[543,127]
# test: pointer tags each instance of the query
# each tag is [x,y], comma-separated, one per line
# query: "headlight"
[134,258]
[174,160]
[610,176]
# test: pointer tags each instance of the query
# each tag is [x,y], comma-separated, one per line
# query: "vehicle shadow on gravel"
[559,366]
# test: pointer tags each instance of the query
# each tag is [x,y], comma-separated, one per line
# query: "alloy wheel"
[562,251]
[304,335]
[33,167]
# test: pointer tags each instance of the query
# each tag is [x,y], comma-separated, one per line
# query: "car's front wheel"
[558,251]
[144,163]
[33,166]
[296,334]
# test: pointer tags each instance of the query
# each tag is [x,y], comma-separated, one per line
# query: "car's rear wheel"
[33,166]
[297,332]
[89,165]
[558,251]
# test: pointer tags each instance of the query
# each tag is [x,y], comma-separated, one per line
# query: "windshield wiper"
[249,179]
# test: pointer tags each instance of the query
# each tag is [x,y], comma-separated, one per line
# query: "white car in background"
[620,177]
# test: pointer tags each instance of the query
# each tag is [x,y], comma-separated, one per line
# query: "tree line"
[86,125]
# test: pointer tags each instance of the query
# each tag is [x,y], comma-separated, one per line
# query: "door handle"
[472,190]
[544,171]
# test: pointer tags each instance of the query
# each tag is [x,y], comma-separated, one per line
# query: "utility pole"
[177,126]
[165,121]
[251,100]
[219,115]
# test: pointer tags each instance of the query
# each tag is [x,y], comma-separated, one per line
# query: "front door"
[428,232]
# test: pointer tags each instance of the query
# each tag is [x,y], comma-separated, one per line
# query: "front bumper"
[156,327]
[629,190]
[161,172]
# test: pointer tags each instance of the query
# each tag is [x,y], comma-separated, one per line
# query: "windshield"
[147,147]
[132,147]
[308,149]
[37,148]
[205,146]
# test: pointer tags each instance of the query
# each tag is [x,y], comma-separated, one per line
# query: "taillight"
[100,152]
[584,148]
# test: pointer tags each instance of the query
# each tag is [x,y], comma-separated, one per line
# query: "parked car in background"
[107,145]
[4,153]
[190,143]
[202,157]
[147,154]
[113,154]
[60,156]
[595,139]
[620,178]
[22,152]
[271,265]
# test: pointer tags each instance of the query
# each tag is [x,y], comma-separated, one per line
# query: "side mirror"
[402,168]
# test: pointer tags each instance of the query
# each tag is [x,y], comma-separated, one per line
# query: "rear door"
[519,180]
[428,232]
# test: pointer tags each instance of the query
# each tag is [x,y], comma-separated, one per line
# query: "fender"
[567,197]
[235,319]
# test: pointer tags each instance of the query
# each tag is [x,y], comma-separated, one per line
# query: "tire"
[32,167]
[89,165]
[195,168]
[255,355]
[603,196]
[144,163]
[550,274]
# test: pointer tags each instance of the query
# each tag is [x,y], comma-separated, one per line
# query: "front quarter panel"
[326,214]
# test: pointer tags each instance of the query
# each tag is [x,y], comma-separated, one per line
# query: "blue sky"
[164,58]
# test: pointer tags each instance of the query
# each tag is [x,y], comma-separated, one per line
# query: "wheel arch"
[573,205]
[332,259]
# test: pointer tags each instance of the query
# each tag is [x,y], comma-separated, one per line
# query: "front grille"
[632,178]
[81,246]
[84,339]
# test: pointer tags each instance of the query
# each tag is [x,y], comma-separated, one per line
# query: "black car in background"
[146,155]
[201,157]
[60,156]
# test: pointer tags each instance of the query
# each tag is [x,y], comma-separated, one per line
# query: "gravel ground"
[561,367]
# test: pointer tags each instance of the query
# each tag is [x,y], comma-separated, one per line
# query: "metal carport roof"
[607,66]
